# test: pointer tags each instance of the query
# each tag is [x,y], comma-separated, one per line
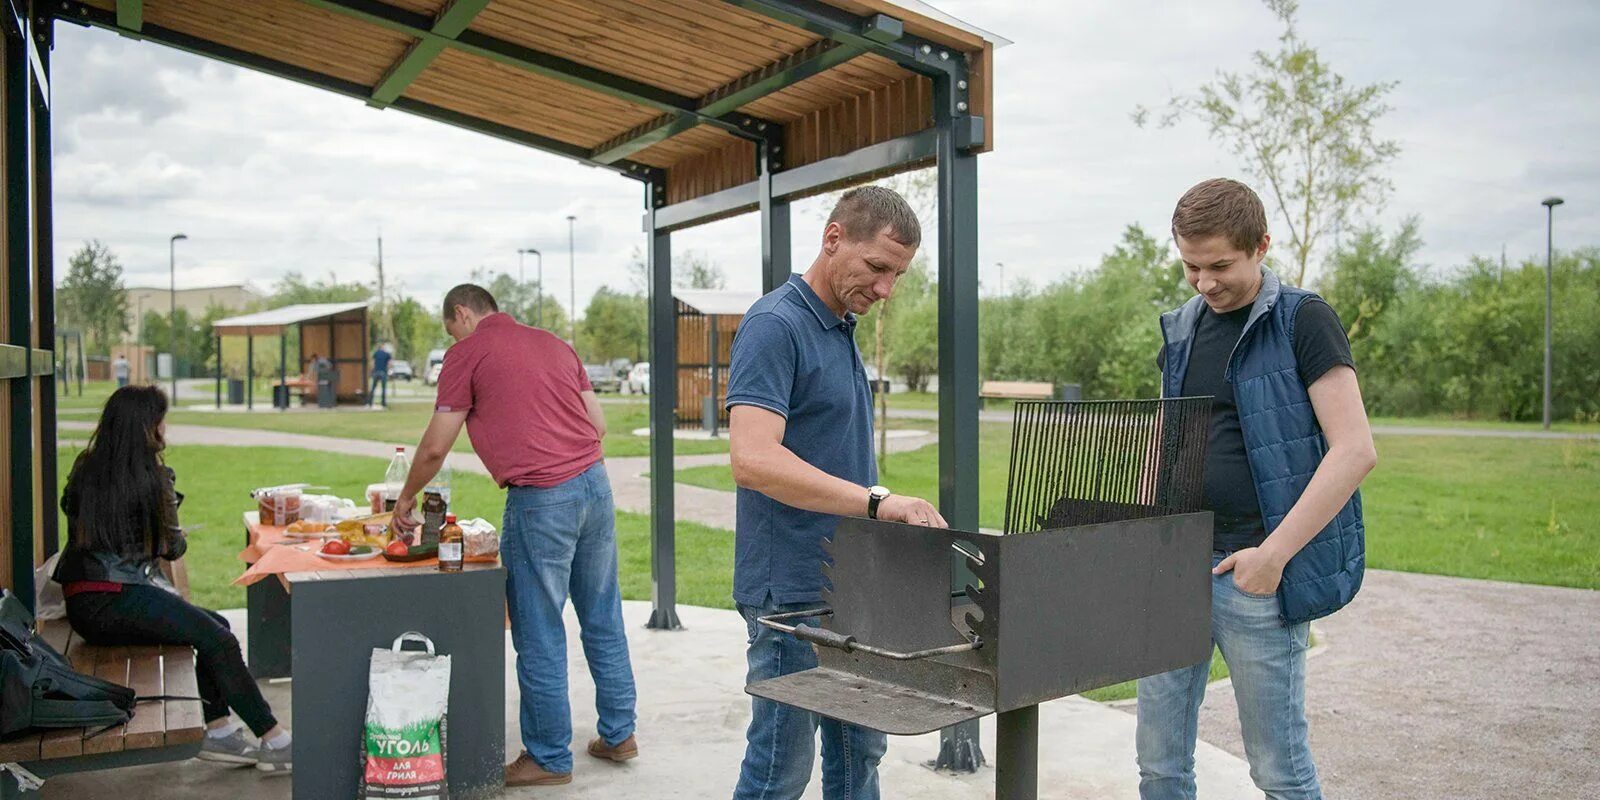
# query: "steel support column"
[249,371]
[18,253]
[283,367]
[663,421]
[775,227]
[219,372]
[44,268]
[958,368]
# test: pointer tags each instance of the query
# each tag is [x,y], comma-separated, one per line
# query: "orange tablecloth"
[269,552]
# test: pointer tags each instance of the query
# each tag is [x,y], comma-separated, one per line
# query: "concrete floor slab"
[692,717]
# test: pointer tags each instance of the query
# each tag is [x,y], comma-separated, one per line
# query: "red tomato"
[336,547]
[397,548]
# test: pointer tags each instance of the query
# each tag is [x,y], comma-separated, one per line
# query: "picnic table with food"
[439,581]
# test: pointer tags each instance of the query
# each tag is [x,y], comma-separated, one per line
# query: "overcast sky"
[1498,106]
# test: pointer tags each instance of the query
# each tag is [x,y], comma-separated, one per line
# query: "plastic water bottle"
[394,480]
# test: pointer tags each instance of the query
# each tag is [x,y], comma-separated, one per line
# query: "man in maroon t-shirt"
[535,423]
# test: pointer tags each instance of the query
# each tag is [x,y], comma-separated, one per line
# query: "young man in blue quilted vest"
[1289,444]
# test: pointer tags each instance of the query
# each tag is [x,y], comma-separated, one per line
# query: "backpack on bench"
[39,689]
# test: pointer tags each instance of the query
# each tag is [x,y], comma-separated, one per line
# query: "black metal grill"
[1085,463]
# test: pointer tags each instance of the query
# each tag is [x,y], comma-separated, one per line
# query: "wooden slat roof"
[643,67]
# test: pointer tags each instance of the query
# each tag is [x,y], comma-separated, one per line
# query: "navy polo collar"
[825,315]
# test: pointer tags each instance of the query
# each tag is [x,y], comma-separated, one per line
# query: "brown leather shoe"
[527,772]
[624,750]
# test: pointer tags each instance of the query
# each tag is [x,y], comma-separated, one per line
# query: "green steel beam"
[878,34]
[788,71]
[448,24]
[527,59]
[130,14]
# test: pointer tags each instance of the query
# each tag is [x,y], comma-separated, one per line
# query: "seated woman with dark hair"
[122,524]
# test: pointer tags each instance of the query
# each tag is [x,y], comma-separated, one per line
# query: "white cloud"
[1496,108]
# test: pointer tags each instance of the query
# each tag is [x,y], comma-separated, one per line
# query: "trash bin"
[235,392]
[280,396]
[327,385]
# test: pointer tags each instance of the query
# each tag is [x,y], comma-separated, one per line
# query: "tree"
[416,331]
[527,301]
[1368,274]
[92,297]
[293,289]
[613,327]
[196,351]
[1302,131]
[697,271]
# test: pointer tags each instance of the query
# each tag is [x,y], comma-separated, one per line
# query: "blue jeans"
[560,541]
[1267,663]
[372,394]
[781,742]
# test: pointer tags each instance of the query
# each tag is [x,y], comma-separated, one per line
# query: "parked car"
[435,363]
[603,378]
[639,378]
[400,371]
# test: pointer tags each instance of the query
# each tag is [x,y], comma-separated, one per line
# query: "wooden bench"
[1017,390]
[160,730]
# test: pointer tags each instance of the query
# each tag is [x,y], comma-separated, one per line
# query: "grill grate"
[1084,463]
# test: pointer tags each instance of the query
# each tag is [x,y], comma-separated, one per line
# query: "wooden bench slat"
[57,633]
[65,742]
[1018,390]
[110,663]
[148,726]
[185,719]
[23,749]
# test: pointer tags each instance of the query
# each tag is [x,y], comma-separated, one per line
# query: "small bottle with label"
[450,541]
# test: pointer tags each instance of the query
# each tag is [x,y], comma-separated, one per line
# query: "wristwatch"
[875,495]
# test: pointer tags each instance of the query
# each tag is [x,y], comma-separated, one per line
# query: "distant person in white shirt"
[120,369]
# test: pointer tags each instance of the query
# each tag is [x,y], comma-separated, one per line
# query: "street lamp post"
[538,319]
[1002,267]
[1549,204]
[172,311]
[572,284]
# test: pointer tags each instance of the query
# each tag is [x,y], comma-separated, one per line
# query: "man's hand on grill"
[911,510]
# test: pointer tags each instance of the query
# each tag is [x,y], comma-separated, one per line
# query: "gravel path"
[1438,687]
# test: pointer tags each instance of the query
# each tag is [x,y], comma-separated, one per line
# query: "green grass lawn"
[216,482]
[1524,510]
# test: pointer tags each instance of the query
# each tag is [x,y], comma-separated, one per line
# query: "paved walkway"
[692,718]
[1437,687]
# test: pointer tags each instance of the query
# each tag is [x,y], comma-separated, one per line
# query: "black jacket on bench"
[77,564]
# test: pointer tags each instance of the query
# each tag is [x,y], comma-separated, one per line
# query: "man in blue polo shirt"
[800,415]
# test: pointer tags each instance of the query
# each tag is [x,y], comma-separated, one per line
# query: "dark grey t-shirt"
[1230,489]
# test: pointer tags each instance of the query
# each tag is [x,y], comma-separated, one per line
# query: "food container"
[375,496]
[325,508]
[480,542]
[278,505]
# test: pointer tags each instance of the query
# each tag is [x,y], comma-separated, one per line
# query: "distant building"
[141,300]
